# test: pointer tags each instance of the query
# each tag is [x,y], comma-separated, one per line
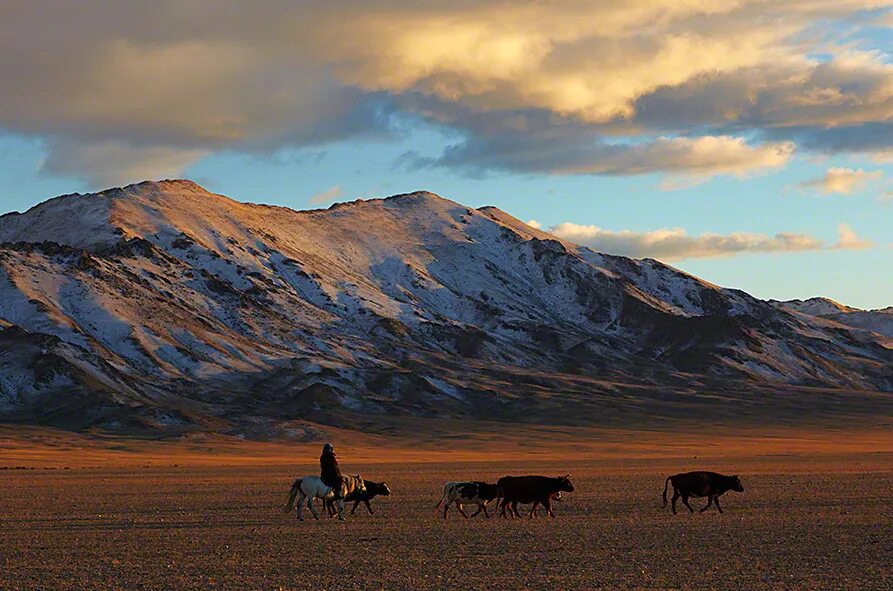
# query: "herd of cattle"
[510,491]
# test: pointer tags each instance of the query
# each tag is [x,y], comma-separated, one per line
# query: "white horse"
[312,487]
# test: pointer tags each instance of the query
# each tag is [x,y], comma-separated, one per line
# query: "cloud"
[847,239]
[842,181]
[673,244]
[565,87]
[570,154]
[329,194]
[113,162]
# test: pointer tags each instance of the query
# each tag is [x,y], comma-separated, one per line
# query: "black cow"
[373,489]
[538,490]
[701,484]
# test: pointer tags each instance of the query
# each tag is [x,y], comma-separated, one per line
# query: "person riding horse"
[330,473]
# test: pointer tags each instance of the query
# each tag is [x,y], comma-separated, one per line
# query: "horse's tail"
[295,488]
[665,492]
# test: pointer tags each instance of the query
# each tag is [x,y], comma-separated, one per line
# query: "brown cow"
[701,484]
[531,489]
[556,496]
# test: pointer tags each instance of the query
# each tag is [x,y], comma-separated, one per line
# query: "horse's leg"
[312,508]
[301,505]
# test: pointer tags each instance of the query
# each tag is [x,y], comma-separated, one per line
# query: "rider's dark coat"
[330,473]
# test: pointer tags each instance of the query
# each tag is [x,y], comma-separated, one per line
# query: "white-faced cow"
[538,490]
[701,484]
[467,493]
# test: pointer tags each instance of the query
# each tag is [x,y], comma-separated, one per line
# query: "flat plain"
[804,522]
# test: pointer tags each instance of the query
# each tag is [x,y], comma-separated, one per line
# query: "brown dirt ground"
[817,517]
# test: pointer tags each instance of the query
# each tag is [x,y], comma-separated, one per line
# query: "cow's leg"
[461,510]
[484,507]
[533,509]
[716,502]
[368,507]
[480,508]
[709,502]
[547,503]
[685,502]
[675,497]
[515,509]
[446,507]
[506,505]
[501,507]
[355,503]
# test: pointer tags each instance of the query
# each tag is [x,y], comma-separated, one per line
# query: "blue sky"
[764,164]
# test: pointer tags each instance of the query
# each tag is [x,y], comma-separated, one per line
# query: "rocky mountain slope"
[161,305]
[879,321]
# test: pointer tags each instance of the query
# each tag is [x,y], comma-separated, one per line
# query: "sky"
[749,142]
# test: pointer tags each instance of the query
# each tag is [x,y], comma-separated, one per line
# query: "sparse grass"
[804,522]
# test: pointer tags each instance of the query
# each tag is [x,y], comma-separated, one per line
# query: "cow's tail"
[442,498]
[293,493]
[666,484]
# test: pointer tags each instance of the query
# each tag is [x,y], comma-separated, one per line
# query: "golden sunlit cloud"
[674,244]
[325,196]
[569,87]
[843,181]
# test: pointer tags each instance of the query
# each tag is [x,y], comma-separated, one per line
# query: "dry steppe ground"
[808,520]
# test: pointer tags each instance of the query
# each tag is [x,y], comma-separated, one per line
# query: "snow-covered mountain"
[814,306]
[879,321]
[163,304]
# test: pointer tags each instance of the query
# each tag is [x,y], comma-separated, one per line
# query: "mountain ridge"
[413,304]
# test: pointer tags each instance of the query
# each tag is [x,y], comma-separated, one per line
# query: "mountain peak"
[817,306]
[105,217]
[165,185]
